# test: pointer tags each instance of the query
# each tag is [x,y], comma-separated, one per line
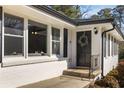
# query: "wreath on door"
[83,40]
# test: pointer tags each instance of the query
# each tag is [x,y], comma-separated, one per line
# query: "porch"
[82,73]
[91,71]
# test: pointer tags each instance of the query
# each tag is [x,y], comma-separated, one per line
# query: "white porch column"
[61,41]
[49,40]
[26,38]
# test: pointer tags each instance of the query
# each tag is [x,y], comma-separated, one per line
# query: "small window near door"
[55,41]
[65,45]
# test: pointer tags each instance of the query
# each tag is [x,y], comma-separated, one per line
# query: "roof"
[53,13]
[76,22]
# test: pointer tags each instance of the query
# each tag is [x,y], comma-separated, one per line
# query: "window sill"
[20,60]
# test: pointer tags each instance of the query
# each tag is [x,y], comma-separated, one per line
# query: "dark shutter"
[65,45]
[0,34]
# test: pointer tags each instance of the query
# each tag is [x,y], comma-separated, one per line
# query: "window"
[112,45]
[65,45]
[13,35]
[0,34]
[117,47]
[37,39]
[55,41]
[104,43]
[109,45]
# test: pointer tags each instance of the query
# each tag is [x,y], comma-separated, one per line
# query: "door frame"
[76,41]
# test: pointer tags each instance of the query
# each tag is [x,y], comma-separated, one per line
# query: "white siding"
[16,76]
[110,62]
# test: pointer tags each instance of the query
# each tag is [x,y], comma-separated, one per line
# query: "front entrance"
[84,48]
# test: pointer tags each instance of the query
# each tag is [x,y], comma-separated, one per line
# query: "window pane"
[55,34]
[55,47]
[104,44]
[56,41]
[109,45]
[65,46]
[13,25]
[13,45]
[112,46]
[37,36]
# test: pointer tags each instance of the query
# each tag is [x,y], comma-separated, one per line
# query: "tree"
[95,16]
[118,14]
[72,11]
[105,13]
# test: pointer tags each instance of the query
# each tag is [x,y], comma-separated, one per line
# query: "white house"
[38,43]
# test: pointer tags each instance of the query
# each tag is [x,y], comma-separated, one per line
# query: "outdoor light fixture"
[95,30]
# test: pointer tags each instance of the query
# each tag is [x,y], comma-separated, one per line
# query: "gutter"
[102,56]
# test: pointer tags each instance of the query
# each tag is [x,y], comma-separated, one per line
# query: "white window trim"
[11,35]
[50,56]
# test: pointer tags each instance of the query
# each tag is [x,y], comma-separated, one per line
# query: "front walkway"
[59,82]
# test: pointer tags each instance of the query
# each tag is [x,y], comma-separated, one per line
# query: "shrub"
[120,69]
[110,81]
[114,78]
[114,73]
[99,82]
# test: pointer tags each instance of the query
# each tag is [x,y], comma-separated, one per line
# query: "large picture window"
[13,35]
[37,39]
[55,41]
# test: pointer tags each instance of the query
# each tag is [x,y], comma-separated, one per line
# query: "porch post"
[49,40]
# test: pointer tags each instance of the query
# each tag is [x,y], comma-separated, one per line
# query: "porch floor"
[58,82]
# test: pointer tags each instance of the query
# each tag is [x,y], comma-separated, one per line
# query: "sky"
[95,8]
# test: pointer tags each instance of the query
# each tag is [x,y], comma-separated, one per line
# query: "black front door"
[83,48]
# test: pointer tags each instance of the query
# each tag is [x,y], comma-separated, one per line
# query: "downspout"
[102,56]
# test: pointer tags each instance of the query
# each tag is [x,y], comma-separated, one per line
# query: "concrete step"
[73,77]
[78,73]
